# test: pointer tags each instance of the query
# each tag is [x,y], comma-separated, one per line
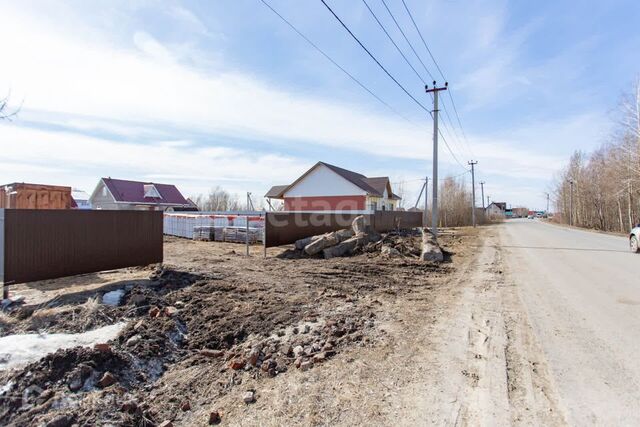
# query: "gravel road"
[581,292]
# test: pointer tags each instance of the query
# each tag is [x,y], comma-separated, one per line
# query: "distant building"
[20,195]
[330,188]
[118,194]
[496,209]
[80,199]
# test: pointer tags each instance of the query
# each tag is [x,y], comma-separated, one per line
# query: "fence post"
[264,234]
[5,288]
[246,237]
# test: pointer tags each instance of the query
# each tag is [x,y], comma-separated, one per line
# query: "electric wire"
[393,41]
[454,136]
[455,109]
[358,82]
[373,57]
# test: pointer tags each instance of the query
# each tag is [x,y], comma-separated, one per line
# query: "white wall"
[322,181]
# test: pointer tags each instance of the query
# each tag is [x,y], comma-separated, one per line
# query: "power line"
[455,109]
[453,133]
[392,41]
[336,64]
[373,57]
[407,39]
[454,136]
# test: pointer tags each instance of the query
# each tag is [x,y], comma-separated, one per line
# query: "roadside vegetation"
[606,182]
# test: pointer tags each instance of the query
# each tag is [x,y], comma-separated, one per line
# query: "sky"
[223,93]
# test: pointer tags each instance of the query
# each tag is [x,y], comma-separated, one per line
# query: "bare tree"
[218,199]
[5,112]
[606,183]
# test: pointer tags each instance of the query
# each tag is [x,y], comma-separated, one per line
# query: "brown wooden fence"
[47,244]
[283,228]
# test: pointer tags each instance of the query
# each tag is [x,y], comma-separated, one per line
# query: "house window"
[373,206]
[150,190]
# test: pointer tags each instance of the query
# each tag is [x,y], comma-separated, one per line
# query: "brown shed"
[35,196]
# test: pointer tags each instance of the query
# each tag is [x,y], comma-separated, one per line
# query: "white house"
[118,194]
[328,187]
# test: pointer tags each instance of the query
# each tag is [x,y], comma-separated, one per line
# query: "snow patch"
[21,349]
[113,298]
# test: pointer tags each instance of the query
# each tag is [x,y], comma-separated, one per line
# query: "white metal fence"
[224,226]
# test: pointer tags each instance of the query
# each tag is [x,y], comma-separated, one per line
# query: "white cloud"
[143,90]
[79,161]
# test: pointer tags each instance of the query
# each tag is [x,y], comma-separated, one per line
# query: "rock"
[170,311]
[185,406]
[107,380]
[45,396]
[130,406]
[138,300]
[254,356]
[214,418]
[102,347]
[269,365]
[328,346]
[286,350]
[320,357]
[79,376]
[298,351]
[390,252]
[133,340]
[165,423]
[212,353]
[298,362]
[138,325]
[237,364]
[306,329]
[154,312]
[249,397]
[430,249]
[306,365]
[62,420]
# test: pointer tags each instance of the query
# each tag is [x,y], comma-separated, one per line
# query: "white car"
[634,239]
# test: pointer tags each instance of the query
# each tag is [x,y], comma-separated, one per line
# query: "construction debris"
[361,238]
[430,249]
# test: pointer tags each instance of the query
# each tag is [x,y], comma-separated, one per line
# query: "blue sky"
[224,93]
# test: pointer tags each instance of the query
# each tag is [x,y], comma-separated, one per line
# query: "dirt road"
[581,291]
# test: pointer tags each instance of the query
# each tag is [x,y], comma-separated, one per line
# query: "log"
[430,249]
[316,246]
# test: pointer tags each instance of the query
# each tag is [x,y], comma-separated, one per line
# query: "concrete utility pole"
[434,202]
[482,194]
[473,191]
[547,203]
[571,201]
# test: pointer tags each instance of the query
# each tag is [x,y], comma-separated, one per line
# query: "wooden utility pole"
[434,193]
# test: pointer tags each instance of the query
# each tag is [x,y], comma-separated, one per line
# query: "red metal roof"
[133,192]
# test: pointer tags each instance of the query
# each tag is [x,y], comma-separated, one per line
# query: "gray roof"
[276,191]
